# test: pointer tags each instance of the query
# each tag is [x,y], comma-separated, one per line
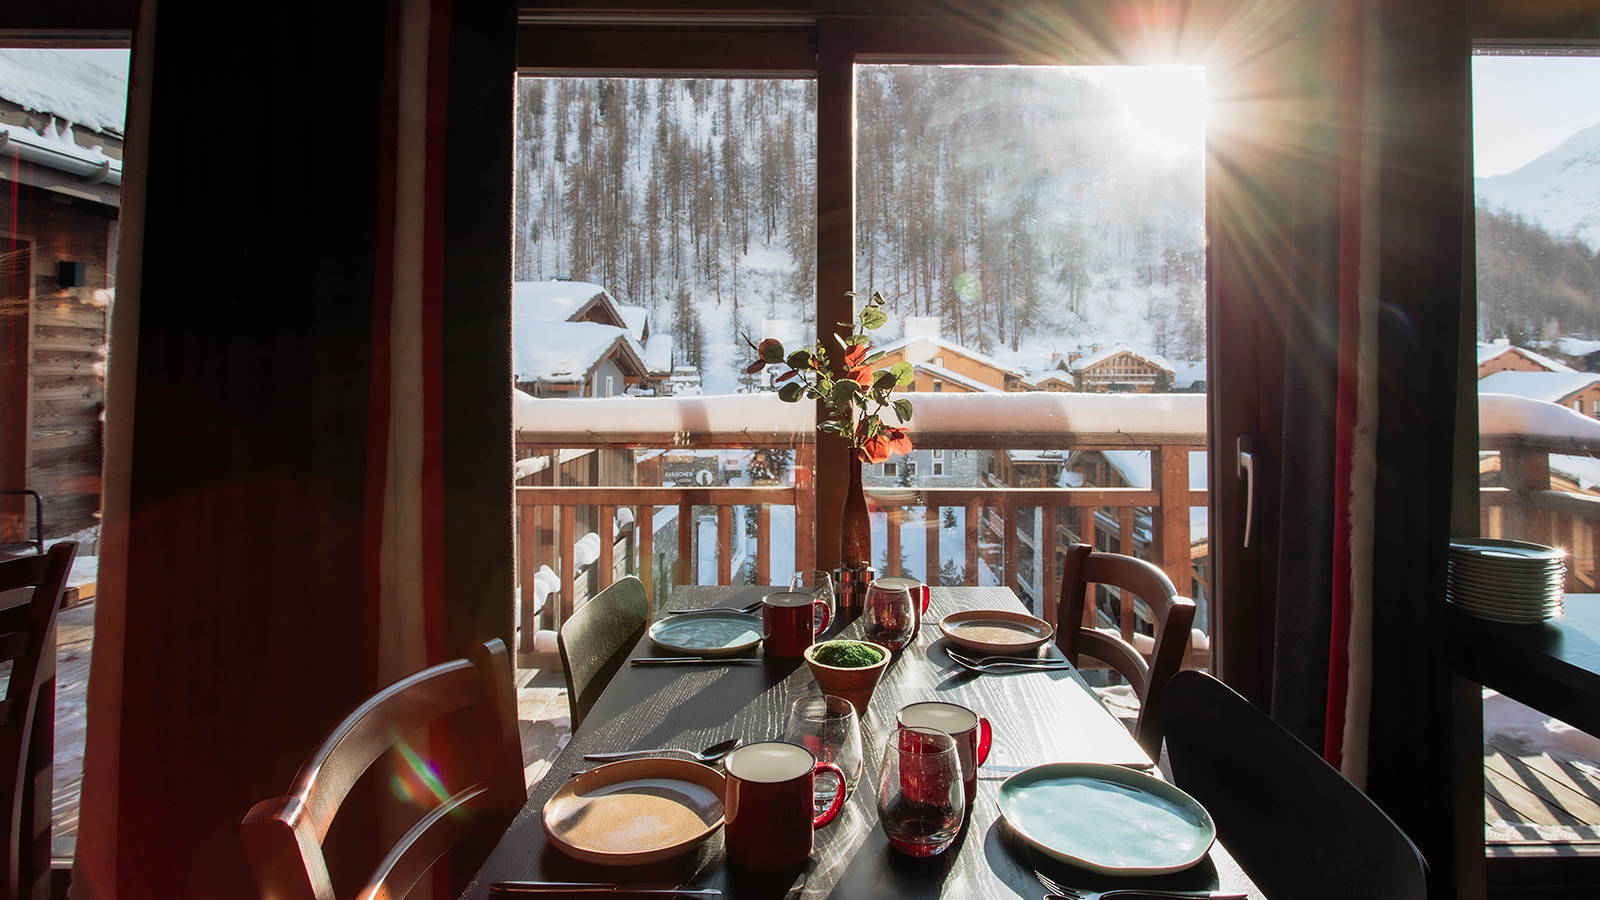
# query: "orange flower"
[899,440]
[874,449]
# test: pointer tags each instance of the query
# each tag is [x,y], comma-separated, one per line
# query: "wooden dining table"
[1038,716]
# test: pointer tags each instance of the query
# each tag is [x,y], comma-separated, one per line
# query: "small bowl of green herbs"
[848,669]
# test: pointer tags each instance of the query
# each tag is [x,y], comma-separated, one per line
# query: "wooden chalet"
[943,366]
[570,339]
[60,192]
[1494,358]
[1122,370]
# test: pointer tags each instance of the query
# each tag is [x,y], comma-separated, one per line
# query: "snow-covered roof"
[565,352]
[1487,352]
[1551,387]
[636,318]
[926,349]
[558,301]
[1094,359]
[1188,373]
[658,354]
[1055,375]
[87,88]
[1577,346]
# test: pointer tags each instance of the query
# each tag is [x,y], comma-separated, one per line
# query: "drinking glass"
[920,796]
[829,728]
[891,615]
[819,585]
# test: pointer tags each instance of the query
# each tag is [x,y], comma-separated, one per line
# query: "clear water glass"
[829,727]
[819,585]
[921,799]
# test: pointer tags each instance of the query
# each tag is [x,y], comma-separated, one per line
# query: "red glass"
[919,592]
[921,801]
[972,733]
[891,615]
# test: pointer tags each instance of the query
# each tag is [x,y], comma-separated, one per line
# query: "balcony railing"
[582,461]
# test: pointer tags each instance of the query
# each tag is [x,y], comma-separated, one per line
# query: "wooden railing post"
[1169,467]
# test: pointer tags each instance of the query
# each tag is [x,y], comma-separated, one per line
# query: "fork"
[750,608]
[985,663]
[1059,891]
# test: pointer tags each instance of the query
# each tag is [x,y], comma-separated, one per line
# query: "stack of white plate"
[1506,581]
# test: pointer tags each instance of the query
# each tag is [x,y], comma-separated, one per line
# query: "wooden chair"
[595,641]
[283,837]
[1077,636]
[28,713]
[1296,826]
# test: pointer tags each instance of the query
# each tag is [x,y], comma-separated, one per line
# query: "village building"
[943,366]
[1503,357]
[1121,369]
[60,194]
[570,339]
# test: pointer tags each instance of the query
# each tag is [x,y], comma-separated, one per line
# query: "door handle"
[1245,468]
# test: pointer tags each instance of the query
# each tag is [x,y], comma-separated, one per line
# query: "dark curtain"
[252,354]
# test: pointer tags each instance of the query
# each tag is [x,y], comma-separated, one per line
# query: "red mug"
[789,622]
[972,733]
[919,593]
[767,805]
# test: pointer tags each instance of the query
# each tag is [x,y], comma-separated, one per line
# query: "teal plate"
[708,632]
[1106,818]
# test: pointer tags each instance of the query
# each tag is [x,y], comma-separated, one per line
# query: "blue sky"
[1524,106]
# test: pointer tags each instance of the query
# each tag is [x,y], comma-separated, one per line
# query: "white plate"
[1503,550]
[708,632]
[1107,818]
[995,630]
[635,811]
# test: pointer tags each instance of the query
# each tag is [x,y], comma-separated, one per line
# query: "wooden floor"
[1535,803]
[1531,799]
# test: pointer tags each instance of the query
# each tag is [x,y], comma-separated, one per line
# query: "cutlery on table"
[985,663]
[748,608]
[548,887]
[708,755]
[1059,891]
[692,660]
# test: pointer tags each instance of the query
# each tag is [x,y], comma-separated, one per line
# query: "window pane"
[1036,229]
[1536,122]
[659,224]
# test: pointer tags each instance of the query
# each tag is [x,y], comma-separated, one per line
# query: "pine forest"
[1022,207]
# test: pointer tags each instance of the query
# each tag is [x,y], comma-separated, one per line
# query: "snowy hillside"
[1560,190]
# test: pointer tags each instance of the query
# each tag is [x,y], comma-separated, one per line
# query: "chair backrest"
[1294,824]
[595,641]
[283,837]
[1077,636]
[30,588]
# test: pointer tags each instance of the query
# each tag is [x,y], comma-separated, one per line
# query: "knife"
[548,887]
[691,660]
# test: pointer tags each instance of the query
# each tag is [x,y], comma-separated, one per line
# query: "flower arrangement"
[856,400]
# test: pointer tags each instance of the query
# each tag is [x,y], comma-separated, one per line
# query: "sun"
[1164,107]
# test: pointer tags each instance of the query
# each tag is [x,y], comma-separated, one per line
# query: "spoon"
[709,755]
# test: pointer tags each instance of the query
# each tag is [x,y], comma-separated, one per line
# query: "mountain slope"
[1560,190]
